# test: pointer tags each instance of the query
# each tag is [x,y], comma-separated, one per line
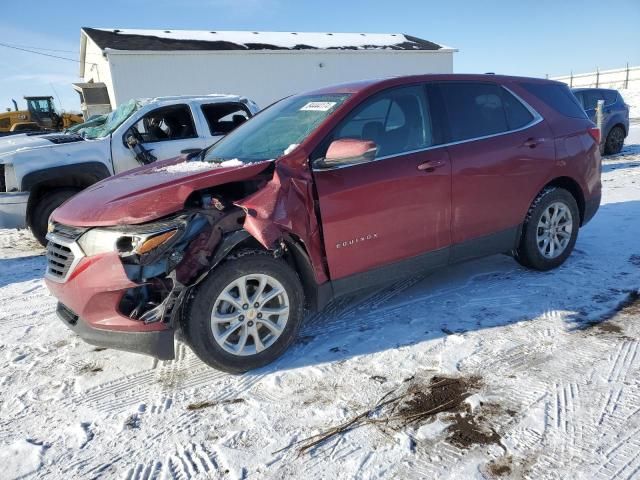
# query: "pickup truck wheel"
[246,313]
[42,210]
[550,230]
[614,141]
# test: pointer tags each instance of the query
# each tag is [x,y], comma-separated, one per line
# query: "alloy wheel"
[554,230]
[250,314]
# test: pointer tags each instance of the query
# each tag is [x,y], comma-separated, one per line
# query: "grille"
[63,254]
[59,260]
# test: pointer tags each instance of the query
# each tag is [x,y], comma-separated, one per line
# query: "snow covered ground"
[551,361]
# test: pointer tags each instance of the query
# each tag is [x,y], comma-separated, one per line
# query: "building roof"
[154,40]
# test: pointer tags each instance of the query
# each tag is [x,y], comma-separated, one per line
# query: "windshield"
[92,122]
[112,121]
[277,130]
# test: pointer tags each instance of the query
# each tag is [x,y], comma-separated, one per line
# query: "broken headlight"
[127,241]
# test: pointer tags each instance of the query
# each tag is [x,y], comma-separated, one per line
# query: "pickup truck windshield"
[111,122]
[276,130]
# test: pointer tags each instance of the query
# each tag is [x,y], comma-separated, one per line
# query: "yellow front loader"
[40,115]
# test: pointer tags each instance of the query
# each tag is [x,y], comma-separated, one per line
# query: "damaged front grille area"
[165,275]
[68,232]
[63,254]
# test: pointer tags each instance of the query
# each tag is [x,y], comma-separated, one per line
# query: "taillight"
[595,133]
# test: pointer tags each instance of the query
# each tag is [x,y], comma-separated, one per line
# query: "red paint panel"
[95,293]
[144,194]
[494,180]
[383,211]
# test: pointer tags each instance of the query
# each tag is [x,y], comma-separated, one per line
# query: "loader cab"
[43,113]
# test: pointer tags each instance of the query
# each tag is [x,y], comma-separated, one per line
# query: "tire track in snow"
[159,386]
[623,459]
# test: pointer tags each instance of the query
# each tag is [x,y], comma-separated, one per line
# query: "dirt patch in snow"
[500,467]
[417,403]
[630,305]
[87,368]
[468,430]
[207,404]
[443,394]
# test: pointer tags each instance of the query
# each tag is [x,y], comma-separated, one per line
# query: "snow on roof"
[134,39]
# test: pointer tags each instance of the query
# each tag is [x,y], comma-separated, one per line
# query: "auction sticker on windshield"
[318,106]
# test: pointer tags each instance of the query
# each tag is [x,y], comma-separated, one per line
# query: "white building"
[263,66]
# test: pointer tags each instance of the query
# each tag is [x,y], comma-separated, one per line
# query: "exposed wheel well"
[572,187]
[36,192]
[295,254]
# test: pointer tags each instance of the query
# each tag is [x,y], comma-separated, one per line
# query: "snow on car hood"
[148,192]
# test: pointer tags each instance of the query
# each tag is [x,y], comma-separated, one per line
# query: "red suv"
[323,194]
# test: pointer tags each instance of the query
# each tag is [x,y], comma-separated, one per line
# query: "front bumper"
[13,209]
[158,344]
[91,294]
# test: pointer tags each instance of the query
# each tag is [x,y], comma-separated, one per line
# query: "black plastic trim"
[388,273]
[158,344]
[77,174]
[504,241]
[591,206]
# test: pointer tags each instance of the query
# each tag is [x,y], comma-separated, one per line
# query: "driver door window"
[164,124]
[397,121]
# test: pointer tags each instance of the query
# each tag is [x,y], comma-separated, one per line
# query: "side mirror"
[130,139]
[348,151]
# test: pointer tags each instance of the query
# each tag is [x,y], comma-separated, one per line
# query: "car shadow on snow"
[21,269]
[491,292]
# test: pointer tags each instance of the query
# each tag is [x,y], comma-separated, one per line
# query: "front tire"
[42,210]
[246,313]
[550,230]
[614,141]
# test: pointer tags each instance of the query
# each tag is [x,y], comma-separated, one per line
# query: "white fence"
[619,78]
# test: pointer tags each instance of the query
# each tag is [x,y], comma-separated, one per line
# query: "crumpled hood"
[146,193]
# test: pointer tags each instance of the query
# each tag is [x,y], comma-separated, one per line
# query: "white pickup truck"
[39,172]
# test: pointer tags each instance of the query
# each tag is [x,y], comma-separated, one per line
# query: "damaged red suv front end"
[119,272]
[124,254]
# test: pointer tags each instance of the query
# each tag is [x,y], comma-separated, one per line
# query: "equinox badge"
[353,241]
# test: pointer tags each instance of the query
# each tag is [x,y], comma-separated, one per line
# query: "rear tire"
[41,211]
[550,230]
[240,333]
[614,141]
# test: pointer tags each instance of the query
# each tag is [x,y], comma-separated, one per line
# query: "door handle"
[430,165]
[532,142]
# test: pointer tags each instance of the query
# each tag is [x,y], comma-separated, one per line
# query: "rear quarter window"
[610,97]
[558,97]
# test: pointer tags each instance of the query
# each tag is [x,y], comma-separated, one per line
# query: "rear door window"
[558,97]
[223,118]
[473,109]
